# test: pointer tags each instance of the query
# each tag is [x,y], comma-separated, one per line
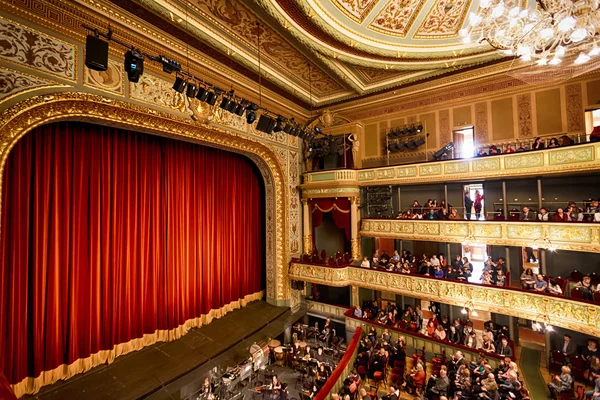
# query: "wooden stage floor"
[174,370]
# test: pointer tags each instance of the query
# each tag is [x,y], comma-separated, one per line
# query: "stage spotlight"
[391,148]
[278,124]
[288,128]
[265,124]
[179,85]
[239,110]
[134,65]
[413,129]
[232,106]
[420,128]
[400,146]
[318,131]
[96,53]
[211,98]
[225,103]
[191,90]
[420,142]
[202,94]
[411,144]
[405,131]
[442,154]
[251,113]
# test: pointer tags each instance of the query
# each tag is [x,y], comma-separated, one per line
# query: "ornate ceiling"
[329,51]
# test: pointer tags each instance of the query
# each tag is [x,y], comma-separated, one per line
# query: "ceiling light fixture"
[546,32]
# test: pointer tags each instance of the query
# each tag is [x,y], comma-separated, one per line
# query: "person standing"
[468,205]
[478,204]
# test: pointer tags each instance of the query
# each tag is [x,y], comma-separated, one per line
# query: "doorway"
[464,143]
[475,189]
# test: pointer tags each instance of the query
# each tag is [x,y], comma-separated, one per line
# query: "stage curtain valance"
[340,209]
[112,240]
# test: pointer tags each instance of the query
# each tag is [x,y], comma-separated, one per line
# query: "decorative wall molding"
[562,311]
[573,159]
[524,115]
[564,236]
[575,111]
[33,49]
[13,83]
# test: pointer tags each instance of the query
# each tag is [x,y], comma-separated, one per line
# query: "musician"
[276,388]
[320,357]
[394,394]
[306,355]
[326,332]
[322,375]
[206,390]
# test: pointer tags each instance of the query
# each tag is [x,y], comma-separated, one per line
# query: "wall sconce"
[469,306]
[543,243]
[542,323]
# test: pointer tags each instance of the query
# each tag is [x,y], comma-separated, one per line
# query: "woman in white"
[365,263]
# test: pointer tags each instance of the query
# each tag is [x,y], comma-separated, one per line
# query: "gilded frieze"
[566,236]
[572,155]
[524,112]
[486,164]
[158,92]
[14,82]
[575,122]
[562,311]
[461,167]
[527,160]
[28,47]
[110,80]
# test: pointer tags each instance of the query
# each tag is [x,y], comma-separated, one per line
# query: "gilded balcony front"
[561,311]
[565,236]
[573,159]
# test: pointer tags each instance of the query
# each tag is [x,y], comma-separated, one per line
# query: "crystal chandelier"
[545,35]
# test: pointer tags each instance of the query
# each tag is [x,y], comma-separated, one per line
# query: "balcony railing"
[578,158]
[568,313]
[576,236]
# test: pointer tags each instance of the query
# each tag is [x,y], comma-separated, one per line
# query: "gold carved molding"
[562,311]
[308,242]
[28,114]
[355,249]
[563,236]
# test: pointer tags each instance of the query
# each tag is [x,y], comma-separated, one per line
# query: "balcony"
[576,236]
[561,311]
[578,158]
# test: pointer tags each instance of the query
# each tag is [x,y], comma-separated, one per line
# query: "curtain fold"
[109,235]
[339,209]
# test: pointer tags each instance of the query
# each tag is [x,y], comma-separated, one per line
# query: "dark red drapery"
[108,235]
[339,209]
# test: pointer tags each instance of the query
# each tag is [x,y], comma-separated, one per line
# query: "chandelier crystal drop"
[544,34]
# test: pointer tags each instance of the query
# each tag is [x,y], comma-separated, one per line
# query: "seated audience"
[542,215]
[527,279]
[562,382]
[540,284]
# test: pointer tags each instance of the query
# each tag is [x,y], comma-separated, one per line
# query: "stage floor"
[174,370]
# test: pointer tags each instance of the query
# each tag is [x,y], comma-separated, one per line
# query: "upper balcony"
[573,159]
[561,311]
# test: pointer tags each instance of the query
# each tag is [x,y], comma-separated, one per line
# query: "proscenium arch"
[28,114]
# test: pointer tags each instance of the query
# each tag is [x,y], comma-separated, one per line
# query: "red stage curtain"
[340,209]
[108,235]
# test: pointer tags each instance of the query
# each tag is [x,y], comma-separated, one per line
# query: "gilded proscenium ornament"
[36,111]
[355,248]
[562,311]
[308,244]
[584,157]
[563,236]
